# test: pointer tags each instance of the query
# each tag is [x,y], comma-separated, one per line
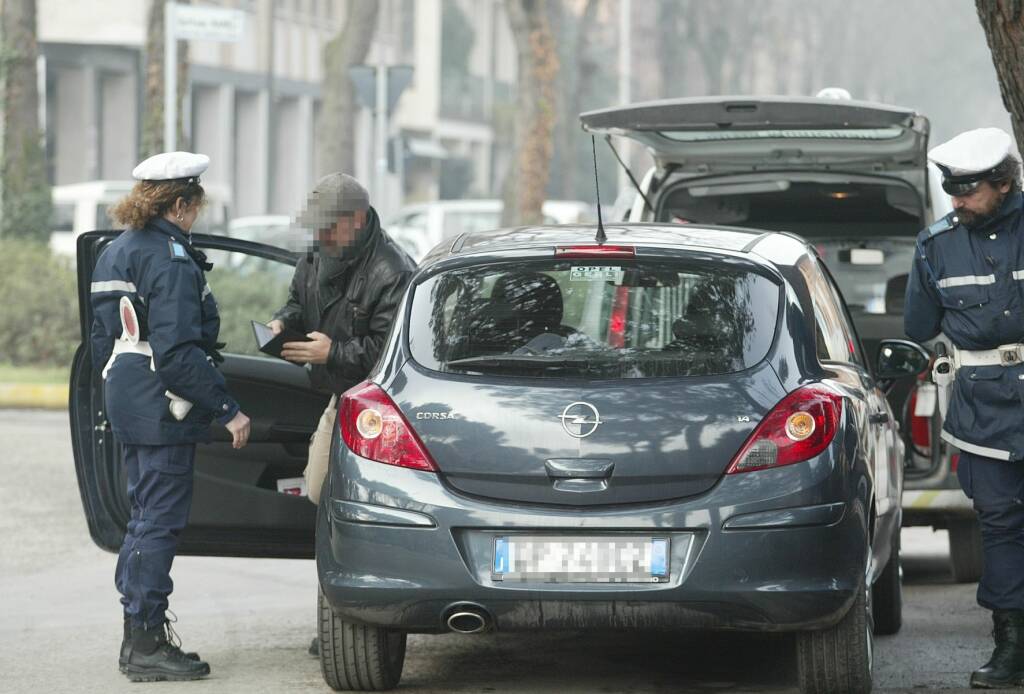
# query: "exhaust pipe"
[468,619]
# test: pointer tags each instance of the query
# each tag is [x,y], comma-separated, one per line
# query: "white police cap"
[171,165]
[973,152]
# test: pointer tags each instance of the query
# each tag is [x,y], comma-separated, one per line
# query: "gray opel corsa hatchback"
[675,428]
[672,429]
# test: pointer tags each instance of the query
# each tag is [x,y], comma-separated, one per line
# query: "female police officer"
[155,338]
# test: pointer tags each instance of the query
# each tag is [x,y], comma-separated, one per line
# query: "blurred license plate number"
[548,559]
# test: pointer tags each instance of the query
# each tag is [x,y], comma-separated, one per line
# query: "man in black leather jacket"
[344,296]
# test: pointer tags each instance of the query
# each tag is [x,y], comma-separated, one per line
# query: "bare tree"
[24,191]
[537,69]
[153,108]
[337,132]
[1003,22]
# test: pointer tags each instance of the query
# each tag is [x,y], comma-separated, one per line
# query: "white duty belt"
[129,343]
[1003,355]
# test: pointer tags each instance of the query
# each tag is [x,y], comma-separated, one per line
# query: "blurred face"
[334,240]
[980,204]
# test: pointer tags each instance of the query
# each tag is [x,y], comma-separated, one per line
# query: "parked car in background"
[852,178]
[418,228]
[82,207]
[678,428]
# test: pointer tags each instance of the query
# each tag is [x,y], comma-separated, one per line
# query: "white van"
[81,207]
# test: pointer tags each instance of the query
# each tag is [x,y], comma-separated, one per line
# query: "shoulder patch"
[178,251]
[941,226]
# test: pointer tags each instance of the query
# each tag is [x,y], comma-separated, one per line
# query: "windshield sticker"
[596,273]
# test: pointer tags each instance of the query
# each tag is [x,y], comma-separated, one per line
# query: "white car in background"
[82,207]
[418,228]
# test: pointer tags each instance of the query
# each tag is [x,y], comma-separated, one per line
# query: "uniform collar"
[178,234]
[171,229]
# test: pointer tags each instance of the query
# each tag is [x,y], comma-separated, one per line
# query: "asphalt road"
[60,623]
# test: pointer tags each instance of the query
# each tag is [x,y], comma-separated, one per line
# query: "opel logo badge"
[580,419]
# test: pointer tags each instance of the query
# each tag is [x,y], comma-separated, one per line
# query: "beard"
[973,220]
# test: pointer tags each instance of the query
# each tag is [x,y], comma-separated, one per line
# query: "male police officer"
[967,281]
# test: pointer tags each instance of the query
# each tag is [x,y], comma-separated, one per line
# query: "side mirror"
[900,358]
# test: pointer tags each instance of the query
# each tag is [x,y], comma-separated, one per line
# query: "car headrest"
[530,296]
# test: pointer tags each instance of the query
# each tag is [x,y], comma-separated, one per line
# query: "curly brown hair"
[150,199]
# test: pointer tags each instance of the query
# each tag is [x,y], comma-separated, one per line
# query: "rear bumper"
[385,560]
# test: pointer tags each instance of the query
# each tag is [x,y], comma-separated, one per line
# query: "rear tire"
[354,657]
[887,594]
[966,552]
[838,659]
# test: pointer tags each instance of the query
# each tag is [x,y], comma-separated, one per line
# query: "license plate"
[574,559]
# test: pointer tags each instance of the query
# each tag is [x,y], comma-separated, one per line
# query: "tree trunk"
[24,190]
[337,132]
[585,68]
[537,68]
[1003,22]
[153,108]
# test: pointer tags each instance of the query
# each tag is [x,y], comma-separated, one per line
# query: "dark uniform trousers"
[160,491]
[997,488]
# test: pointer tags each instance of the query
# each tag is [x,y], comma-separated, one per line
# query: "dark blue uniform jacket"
[969,284]
[158,270]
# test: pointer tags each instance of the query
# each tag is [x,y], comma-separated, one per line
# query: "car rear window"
[594,319]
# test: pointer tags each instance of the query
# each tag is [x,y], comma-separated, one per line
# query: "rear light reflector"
[595,251]
[373,427]
[800,427]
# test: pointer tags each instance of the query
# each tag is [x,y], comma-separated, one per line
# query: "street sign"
[364,79]
[194,23]
[191,23]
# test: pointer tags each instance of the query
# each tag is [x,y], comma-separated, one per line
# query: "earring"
[180,218]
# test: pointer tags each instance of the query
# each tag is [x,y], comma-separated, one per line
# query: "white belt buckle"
[1010,356]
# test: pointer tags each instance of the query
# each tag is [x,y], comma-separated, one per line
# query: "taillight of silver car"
[373,427]
[800,427]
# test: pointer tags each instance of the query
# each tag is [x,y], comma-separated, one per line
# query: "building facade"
[254,105]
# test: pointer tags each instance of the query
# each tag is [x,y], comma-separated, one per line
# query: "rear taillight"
[373,427]
[920,424]
[800,427]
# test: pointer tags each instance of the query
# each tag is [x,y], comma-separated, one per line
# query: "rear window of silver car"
[594,319]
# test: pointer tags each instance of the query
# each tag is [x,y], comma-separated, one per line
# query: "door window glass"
[247,288]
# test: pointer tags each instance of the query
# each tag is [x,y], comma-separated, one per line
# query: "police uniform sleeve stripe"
[1018,274]
[965,280]
[113,286]
[996,453]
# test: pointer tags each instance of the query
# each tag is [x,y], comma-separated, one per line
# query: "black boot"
[1006,666]
[126,644]
[152,656]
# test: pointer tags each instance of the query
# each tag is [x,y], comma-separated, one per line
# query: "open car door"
[237,509]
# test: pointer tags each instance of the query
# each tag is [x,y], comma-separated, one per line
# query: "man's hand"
[239,427]
[276,326]
[314,352]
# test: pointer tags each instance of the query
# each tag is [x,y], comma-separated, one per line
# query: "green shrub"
[40,305]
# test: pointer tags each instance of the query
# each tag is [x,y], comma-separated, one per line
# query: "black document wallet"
[271,344]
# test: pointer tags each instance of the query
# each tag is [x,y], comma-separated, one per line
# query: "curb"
[34,396]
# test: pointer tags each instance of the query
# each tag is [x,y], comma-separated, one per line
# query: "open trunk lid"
[718,134]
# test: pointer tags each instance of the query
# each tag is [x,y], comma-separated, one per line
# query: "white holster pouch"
[943,375]
[129,343]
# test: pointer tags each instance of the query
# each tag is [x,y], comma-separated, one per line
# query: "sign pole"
[170,79]
[382,135]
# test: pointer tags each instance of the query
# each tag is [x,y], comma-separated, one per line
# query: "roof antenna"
[601,236]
